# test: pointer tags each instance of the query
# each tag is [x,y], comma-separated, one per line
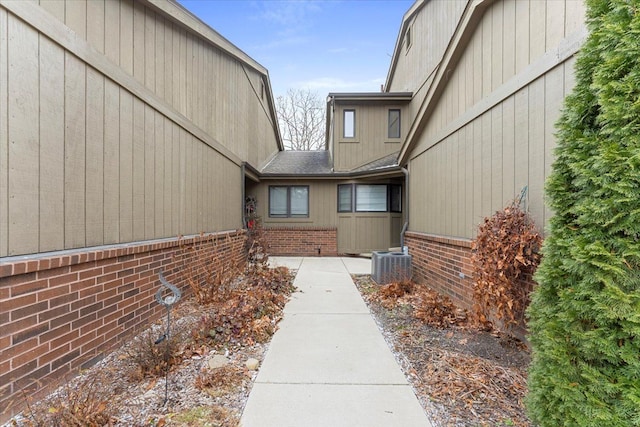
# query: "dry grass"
[221,381]
[81,403]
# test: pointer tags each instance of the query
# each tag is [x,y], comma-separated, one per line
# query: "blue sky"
[322,45]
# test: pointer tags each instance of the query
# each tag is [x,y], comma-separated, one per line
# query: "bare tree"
[301,116]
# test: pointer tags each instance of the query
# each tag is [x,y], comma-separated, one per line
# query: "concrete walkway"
[328,364]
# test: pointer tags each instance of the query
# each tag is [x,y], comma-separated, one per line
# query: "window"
[394,124]
[345,198]
[370,198]
[395,198]
[349,124]
[407,38]
[289,201]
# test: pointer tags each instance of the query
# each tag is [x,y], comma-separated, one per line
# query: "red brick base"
[60,312]
[302,241]
[443,264]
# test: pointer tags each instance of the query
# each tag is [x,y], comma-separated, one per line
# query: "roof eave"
[388,171]
[371,96]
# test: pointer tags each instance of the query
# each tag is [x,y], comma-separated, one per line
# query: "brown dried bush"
[389,294]
[428,305]
[81,402]
[436,310]
[256,245]
[151,359]
[250,313]
[221,381]
[505,256]
[210,276]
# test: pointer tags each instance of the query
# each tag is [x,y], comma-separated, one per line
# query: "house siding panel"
[80,127]
[508,129]
[370,142]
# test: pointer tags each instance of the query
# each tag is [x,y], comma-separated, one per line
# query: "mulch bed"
[462,375]
[128,387]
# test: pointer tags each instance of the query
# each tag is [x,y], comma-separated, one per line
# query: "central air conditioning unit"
[387,267]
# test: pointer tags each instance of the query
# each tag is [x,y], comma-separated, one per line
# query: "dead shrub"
[150,358]
[249,313]
[84,401]
[221,381]
[427,305]
[389,294]
[436,310]
[246,317]
[505,255]
[256,245]
[210,275]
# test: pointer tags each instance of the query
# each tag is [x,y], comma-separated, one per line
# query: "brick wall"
[443,264]
[302,241]
[63,311]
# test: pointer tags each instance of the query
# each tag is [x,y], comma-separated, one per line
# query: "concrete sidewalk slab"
[289,262]
[329,279]
[334,349]
[328,364]
[357,265]
[324,300]
[328,405]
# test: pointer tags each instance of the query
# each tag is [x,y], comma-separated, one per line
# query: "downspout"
[244,196]
[405,171]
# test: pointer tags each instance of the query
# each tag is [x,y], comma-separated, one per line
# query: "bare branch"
[301,116]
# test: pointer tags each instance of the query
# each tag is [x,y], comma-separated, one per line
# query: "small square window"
[349,125]
[394,124]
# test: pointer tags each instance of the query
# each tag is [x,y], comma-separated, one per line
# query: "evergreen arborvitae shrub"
[584,318]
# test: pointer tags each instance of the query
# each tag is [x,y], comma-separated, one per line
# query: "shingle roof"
[319,163]
[299,163]
[381,163]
